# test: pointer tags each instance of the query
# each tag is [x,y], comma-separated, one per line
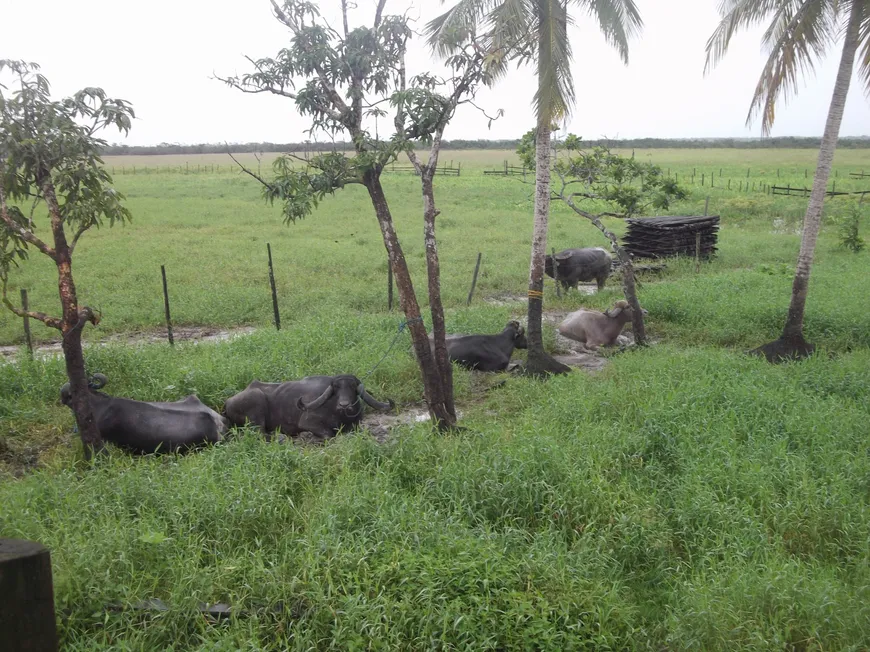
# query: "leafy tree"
[339,79]
[49,159]
[799,32]
[623,184]
[538,31]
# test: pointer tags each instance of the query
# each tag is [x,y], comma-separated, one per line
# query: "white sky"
[161,54]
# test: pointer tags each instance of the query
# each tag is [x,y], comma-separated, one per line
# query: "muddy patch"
[505,299]
[181,334]
[380,425]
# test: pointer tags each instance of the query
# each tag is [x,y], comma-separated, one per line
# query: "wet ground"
[181,334]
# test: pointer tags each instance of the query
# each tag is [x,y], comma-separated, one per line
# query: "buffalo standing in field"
[575,265]
[486,352]
[142,427]
[321,405]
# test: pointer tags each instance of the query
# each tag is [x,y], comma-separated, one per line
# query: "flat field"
[685,497]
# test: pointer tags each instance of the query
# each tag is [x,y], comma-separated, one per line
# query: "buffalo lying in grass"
[321,405]
[142,427]
[486,352]
[593,329]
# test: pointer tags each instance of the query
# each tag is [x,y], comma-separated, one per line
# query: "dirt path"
[181,334]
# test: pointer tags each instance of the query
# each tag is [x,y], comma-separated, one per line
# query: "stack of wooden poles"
[661,237]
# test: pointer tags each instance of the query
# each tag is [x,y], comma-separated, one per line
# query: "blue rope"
[402,327]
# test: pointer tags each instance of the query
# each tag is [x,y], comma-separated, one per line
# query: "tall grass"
[685,497]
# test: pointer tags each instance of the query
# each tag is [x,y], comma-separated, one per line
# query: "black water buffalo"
[320,405]
[577,265]
[486,352]
[142,427]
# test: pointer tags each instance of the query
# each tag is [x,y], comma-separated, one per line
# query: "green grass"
[686,497]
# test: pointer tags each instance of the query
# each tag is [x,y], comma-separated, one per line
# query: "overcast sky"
[160,55]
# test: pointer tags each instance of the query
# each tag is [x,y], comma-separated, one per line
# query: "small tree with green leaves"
[50,163]
[339,79]
[623,186]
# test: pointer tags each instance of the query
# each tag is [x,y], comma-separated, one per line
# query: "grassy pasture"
[687,497]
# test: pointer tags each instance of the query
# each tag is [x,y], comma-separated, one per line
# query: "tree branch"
[247,171]
[22,233]
[344,16]
[379,12]
[79,232]
[52,322]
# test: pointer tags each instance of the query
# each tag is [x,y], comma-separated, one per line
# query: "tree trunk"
[441,416]
[792,343]
[433,268]
[539,362]
[71,330]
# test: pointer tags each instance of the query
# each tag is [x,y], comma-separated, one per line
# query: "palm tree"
[799,31]
[537,30]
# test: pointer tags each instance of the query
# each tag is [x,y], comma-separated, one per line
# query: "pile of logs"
[660,237]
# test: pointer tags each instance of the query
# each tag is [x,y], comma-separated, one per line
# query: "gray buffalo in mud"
[142,427]
[576,265]
[321,405]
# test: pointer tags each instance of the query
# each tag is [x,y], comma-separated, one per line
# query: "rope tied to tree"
[536,294]
[402,327]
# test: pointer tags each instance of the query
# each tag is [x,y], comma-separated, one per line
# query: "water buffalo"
[577,265]
[320,405]
[142,427]
[486,352]
[593,329]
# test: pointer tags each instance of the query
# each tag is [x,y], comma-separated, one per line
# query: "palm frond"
[797,35]
[555,94]
[736,15]
[462,17]
[864,53]
[619,21]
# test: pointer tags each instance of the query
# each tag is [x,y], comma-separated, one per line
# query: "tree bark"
[442,417]
[433,269]
[71,329]
[539,362]
[792,343]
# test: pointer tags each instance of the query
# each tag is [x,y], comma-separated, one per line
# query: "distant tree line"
[788,142]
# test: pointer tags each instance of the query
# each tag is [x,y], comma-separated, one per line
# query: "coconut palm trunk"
[539,362]
[792,343]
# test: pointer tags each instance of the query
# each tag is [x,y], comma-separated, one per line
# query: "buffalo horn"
[97,381]
[371,401]
[320,400]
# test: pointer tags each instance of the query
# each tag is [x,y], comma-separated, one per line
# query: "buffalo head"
[619,307]
[97,381]
[348,391]
[520,341]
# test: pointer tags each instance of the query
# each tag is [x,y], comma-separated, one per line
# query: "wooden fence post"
[274,290]
[25,307]
[27,621]
[474,279]
[698,251]
[166,307]
[556,273]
